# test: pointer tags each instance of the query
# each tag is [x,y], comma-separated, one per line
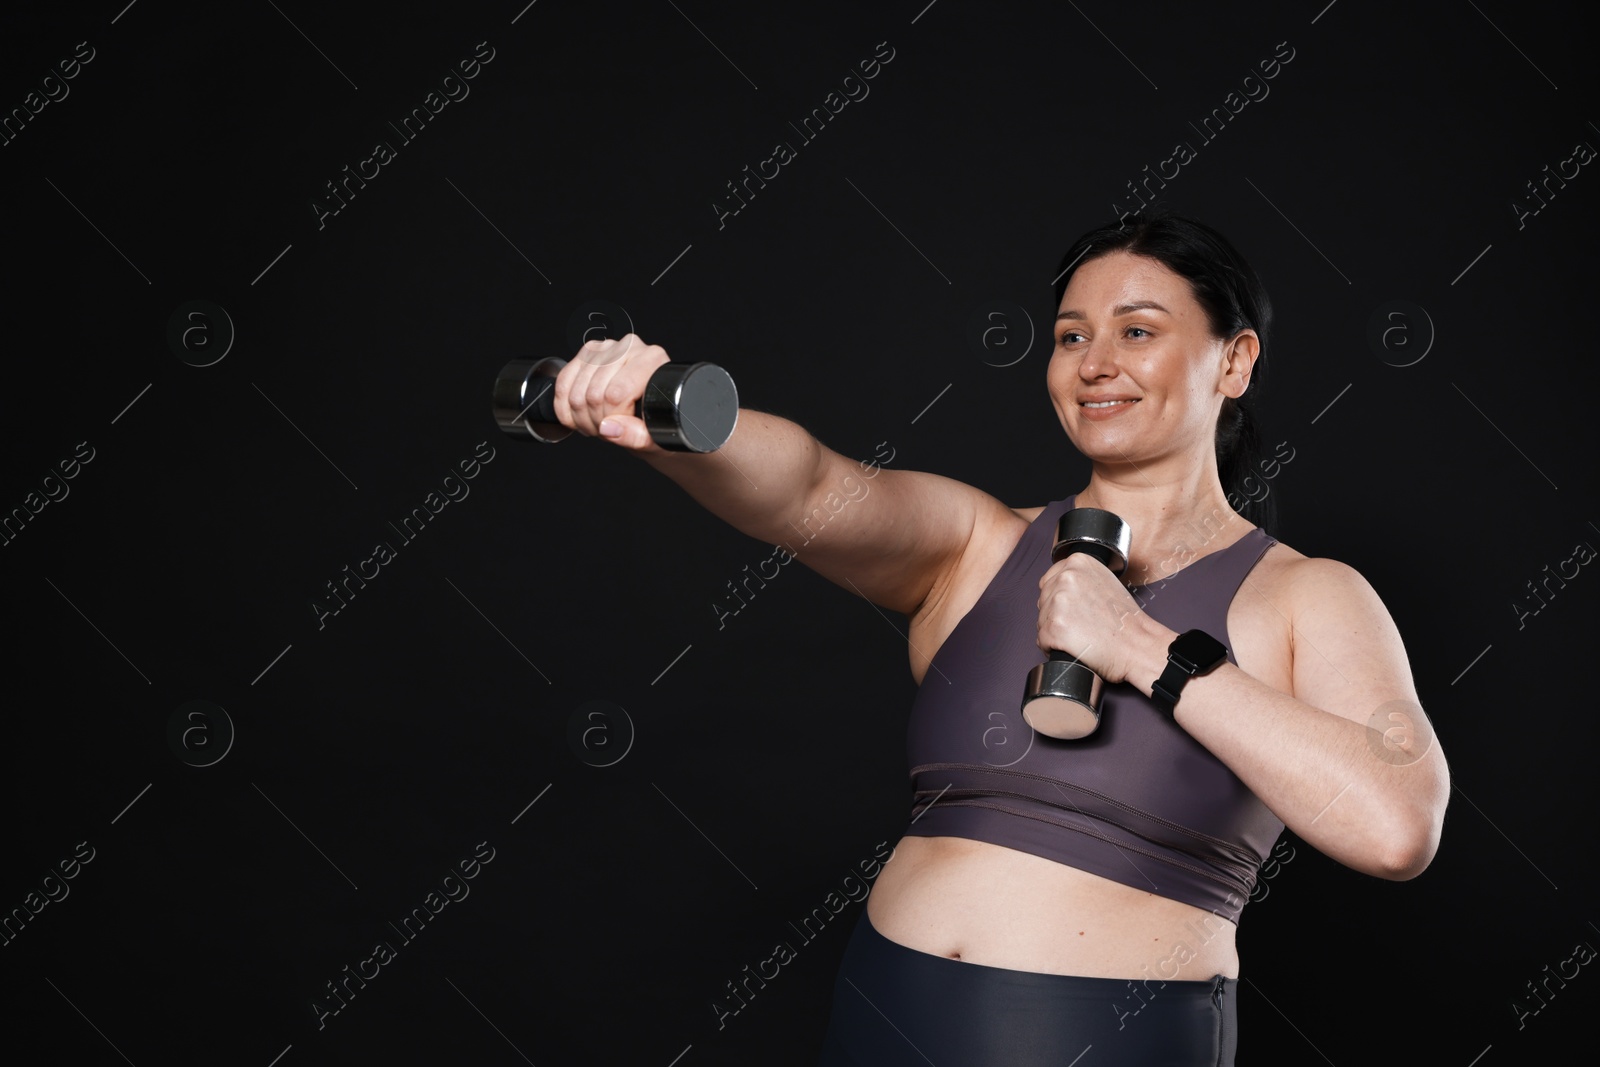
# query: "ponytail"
[1238,456]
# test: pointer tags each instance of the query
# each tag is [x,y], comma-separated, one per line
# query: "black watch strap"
[1191,653]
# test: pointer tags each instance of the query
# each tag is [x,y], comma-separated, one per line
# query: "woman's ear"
[1239,363]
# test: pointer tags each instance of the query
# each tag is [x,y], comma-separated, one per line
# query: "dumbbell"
[687,407]
[1062,696]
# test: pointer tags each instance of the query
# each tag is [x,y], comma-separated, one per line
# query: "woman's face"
[1136,374]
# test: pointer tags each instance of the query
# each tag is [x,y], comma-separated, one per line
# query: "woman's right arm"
[895,537]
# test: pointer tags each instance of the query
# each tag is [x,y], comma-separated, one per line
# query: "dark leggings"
[894,1006]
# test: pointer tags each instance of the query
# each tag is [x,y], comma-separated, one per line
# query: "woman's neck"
[1173,523]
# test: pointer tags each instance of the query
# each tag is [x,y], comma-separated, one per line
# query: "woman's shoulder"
[1320,605]
[1287,575]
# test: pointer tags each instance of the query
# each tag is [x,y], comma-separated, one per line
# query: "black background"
[374,752]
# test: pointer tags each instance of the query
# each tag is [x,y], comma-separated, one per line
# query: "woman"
[1055,896]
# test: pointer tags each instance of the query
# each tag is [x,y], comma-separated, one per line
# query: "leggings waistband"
[895,1005]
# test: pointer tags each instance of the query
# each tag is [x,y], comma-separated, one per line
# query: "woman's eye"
[1068,336]
[1138,330]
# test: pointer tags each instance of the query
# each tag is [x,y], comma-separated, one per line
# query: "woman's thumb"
[629,431]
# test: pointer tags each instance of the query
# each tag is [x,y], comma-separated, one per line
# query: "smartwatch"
[1192,652]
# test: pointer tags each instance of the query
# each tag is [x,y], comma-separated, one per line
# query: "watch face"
[1199,650]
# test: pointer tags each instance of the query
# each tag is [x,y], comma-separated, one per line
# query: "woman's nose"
[1099,361]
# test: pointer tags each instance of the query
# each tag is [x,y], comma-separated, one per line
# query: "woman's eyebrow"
[1121,309]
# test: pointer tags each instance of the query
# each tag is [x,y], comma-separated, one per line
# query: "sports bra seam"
[1131,809]
[1210,876]
[969,796]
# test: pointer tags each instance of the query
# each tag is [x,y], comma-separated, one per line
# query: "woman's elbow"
[1407,857]
[1412,841]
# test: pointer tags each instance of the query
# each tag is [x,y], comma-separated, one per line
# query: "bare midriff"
[988,904]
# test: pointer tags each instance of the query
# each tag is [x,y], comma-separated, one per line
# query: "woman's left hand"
[1086,611]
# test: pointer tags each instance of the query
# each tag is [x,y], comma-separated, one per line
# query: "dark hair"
[1234,300]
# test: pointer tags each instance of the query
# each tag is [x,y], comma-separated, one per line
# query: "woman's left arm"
[1348,761]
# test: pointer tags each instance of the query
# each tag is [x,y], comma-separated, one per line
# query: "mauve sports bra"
[1139,801]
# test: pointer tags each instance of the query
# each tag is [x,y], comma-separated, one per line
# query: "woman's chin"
[1103,445]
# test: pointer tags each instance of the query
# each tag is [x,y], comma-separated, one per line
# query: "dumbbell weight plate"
[690,407]
[520,382]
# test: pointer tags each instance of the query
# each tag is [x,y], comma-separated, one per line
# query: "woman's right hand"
[597,391]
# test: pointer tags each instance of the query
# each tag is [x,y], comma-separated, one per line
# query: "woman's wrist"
[1150,655]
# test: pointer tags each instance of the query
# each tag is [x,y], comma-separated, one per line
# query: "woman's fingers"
[600,388]
[1085,610]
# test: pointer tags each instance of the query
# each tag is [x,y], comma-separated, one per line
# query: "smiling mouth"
[1106,403]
